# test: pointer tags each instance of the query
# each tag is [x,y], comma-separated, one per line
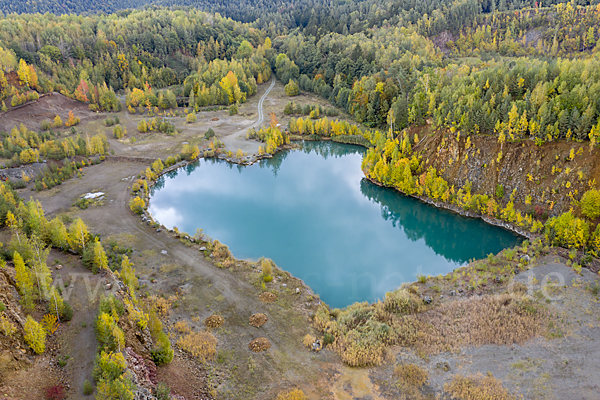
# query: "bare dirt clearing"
[46,108]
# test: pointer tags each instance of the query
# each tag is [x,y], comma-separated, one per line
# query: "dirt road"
[237,140]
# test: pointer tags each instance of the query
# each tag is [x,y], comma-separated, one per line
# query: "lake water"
[314,214]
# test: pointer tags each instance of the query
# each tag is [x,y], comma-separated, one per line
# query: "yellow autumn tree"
[137,205]
[127,273]
[33,78]
[95,256]
[78,235]
[229,83]
[23,73]
[57,122]
[35,335]
[24,279]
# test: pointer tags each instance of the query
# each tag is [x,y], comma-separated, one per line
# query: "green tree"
[245,50]
[292,89]
[95,257]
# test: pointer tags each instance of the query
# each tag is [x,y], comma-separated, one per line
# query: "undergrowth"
[363,331]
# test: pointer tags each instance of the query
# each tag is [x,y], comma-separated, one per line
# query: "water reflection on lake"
[316,216]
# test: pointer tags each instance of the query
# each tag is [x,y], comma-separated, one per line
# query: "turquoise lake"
[314,214]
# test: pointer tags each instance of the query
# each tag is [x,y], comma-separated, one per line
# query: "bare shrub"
[259,344]
[214,321]
[182,327]
[220,250]
[161,304]
[267,297]
[477,387]
[410,380]
[411,374]
[258,320]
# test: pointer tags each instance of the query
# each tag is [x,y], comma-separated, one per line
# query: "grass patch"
[202,345]
[168,268]
[363,331]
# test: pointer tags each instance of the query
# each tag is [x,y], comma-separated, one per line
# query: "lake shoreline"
[455,209]
[150,219]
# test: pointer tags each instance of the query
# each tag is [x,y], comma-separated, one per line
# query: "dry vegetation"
[214,321]
[411,378]
[363,331]
[182,327]
[477,387]
[259,344]
[503,319]
[160,304]
[223,257]
[202,345]
[294,394]
[411,374]
[258,319]
[267,297]
[308,341]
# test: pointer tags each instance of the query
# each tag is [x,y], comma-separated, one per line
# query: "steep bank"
[553,174]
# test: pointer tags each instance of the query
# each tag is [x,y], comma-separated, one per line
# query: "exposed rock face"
[143,374]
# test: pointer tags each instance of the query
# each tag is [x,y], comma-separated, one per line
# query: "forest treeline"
[547,89]
[60,7]
[513,69]
[88,58]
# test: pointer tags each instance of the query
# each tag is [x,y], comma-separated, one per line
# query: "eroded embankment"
[545,179]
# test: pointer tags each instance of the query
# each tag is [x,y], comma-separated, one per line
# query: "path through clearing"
[261,116]
[237,140]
